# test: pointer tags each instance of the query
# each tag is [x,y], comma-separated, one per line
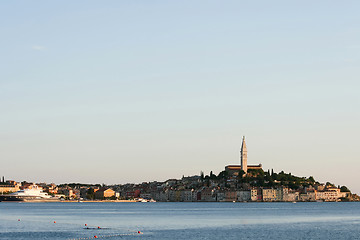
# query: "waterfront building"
[178,195]
[68,192]
[330,194]
[194,195]
[135,193]
[292,196]
[309,196]
[161,196]
[220,195]
[208,195]
[253,194]
[243,196]
[9,186]
[256,194]
[230,196]
[103,193]
[142,195]
[281,193]
[5,188]
[171,195]
[188,195]
[269,195]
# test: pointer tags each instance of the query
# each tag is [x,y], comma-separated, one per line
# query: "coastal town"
[186,189]
[237,183]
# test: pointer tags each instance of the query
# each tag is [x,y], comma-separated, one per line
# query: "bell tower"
[243,156]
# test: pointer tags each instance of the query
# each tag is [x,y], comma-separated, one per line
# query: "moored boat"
[27,195]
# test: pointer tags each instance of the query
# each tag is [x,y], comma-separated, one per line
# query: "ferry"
[26,195]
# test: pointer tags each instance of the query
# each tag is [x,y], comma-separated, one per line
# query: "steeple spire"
[243,156]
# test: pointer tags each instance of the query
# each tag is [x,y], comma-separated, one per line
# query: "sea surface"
[179,220]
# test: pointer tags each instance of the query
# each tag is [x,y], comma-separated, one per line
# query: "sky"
[130,91]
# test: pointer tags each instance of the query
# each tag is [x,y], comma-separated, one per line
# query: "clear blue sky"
[132,91]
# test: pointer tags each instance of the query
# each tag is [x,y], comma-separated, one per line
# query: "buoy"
[54,221]
[19,220]
[140,232]
[95,236]
[85,224]
[99,227]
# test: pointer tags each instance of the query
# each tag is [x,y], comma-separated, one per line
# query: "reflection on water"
[180,220]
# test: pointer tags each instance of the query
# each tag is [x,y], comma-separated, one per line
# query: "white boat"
[27,194]
[34,192]
[146,200]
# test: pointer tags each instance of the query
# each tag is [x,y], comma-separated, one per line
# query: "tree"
[329,184]
[212,175]
[311,179]
[223,175]
[90,193]
[202,175]
[344,189]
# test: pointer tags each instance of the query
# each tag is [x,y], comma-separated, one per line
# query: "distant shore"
[132,201]
[70,201]
[100,201]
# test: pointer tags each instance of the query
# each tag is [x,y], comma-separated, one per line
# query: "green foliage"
[111,198]
[212,176]
[90,194]
[258,178]
[311,179]
[268,179]
[78,185]
[344,189]
[241,174]
[223,175]
[255,172]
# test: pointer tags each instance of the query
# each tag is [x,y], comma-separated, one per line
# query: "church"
[231,169]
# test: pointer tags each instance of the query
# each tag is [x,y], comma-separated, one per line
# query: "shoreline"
[69,201]
[135,201]
[76,201]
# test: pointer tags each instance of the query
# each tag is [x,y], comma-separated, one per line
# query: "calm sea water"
[180,220]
